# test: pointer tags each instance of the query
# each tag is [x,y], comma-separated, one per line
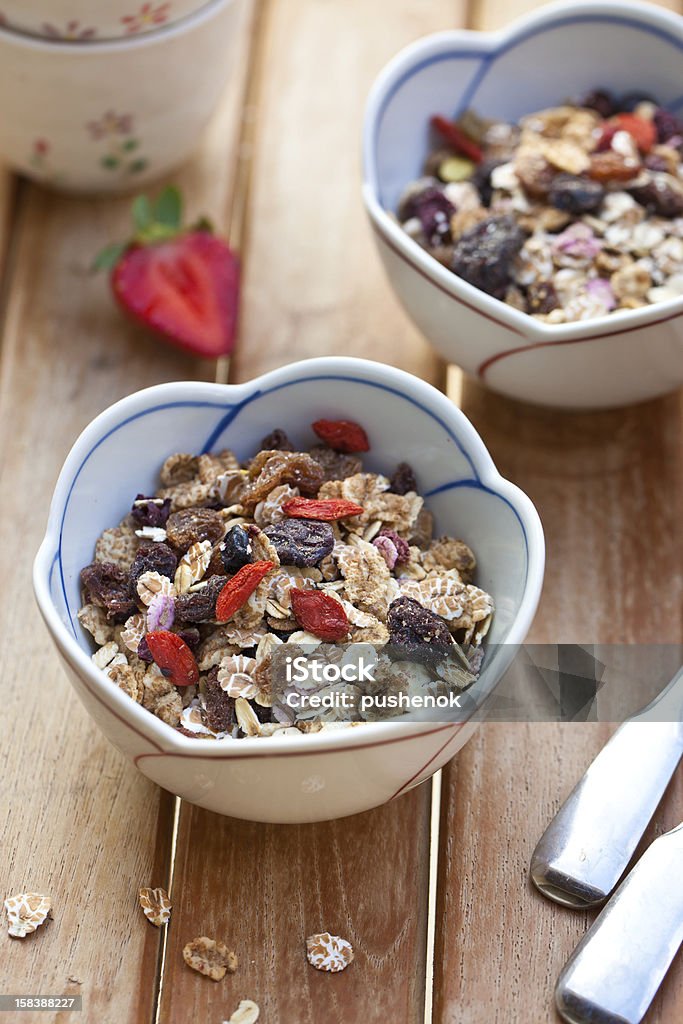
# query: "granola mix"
[192,598]
[572,213]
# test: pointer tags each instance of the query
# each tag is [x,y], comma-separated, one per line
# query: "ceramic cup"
[82,21]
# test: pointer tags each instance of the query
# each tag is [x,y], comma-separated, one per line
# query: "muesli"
[574,212]
[194,596]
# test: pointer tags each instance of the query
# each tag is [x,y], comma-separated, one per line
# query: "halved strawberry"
[182,284]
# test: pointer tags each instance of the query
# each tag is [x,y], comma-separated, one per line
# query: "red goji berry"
[326,509]
[173,656]
[456,138]
[320,614]
[342,435]
[642,131]
[238,589]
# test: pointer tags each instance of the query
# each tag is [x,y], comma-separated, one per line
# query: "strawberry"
[183,284]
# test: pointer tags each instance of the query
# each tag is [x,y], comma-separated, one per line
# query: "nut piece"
[209,957]
[246,1013]
[156,906]
[26,912]
[328,952]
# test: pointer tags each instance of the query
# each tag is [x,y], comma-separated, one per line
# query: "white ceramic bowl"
[82,21]
[328,774]
[111,116]
[562,50]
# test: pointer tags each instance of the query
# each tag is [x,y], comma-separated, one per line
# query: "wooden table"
[432,890]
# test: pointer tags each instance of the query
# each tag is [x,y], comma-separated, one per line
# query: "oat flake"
[246,1013]
[26,912]
[209,957]
[156,906]
[328,952]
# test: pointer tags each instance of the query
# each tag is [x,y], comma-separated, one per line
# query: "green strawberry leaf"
[109,257]
[142,213]
[168,209]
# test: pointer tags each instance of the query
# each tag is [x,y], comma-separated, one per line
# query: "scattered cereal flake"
[210,957]
[191,720]
[269,511]
[109,655]
[156,906]
[118,545]
[95,620]
[151,583]
[133,632]
[26,912]
[328,952]
[179,469]
[449,553]
[246,1013]
[127,679]
[246,718]
[366,576]
[215,648]
[154,533]
[193,565]
[235,675]
[243,637]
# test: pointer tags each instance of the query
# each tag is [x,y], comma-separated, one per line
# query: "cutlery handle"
[614,972]
[588,845]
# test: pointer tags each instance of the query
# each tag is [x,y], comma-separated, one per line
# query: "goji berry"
[456,138]
[239,588]
[320,614]
[342,435]
[326,509]
[642,131]
[173,656]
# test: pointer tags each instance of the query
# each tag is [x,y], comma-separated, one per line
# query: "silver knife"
[590,841]
[615,971]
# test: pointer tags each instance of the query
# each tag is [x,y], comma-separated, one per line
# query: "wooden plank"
[76,820]
[313,285]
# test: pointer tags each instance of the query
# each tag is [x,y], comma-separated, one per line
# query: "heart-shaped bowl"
[563,50]
[334,772]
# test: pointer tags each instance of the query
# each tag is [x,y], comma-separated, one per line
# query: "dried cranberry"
[434,211]
[200,605]
[630,100]
[481,178]
[415,633]
[575,194]
[276,441]
[541,297]
[191,525]
[659,196]
[106,585]
[152,557]
[402,546]
[483,255]
[600,100]
[668,125]
[301,542]
[403,479]
[220,708]
[153,513]
[237,549]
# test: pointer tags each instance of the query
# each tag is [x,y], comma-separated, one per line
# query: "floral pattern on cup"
[39,155]
[73,32]
[120,146]
[149,16]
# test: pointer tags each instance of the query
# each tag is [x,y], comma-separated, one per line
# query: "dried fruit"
[301,542]
[342,435]
[662,195]
[209,957]
[434,211]
[630,100]
[156,906]
[328,952]
[160,612]
[174,657]
[237,549]
[271,469]
[106,586]
[481,179]
[600,100]
[541,297]
[150,511]
[575,194]
[642,131]
[191,525]
[200,605]
[26,912]
[152,558]
[394,549]
[327,510]
[611,166]
[239,588]
[276,441]
[246,1013]
[484,254]
[416,633]
[403,479]
[220,706]
[335,465]
[456,138]
[668,125]
[320,614]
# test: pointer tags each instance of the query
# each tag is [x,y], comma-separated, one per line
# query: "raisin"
[535,173]
[154,511]
[220,708]
[402,546]
[481,179]
[192,525]
[191,636]
[660,196]
[483,255]
[668,125]
[106,585]
[415,633]
[143,651]
[576,194]
[335,465]
[541,297]
[200,605]
[600,100]
[403,479]
[270,469]
[301,542]
[276,441]
[434,211]
[342,435]
[152,557]
[237,549]
[611,166]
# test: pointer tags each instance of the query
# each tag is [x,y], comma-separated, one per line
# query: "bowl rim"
[90,47]
[163,737]
[407,61]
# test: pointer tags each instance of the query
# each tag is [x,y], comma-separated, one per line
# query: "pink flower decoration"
[110,124]
[41,147]
[148,16]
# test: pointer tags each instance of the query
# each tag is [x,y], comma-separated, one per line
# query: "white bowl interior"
[538,65]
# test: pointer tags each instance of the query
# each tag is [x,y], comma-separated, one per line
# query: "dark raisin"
[220,709]
[668,125]
[190,635]
[153,513]
[630,100]
[191,525]
[541,297]
[415,633]
[575,194]
[262,713]
[403,479]
[237,549]
[600,100]
[483,255]
[659,196]
[301,542]
[106,585]
[276,441]
[336,465]
[481,178]
[152,557]
[144,652]
[200,605]
[434,211]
